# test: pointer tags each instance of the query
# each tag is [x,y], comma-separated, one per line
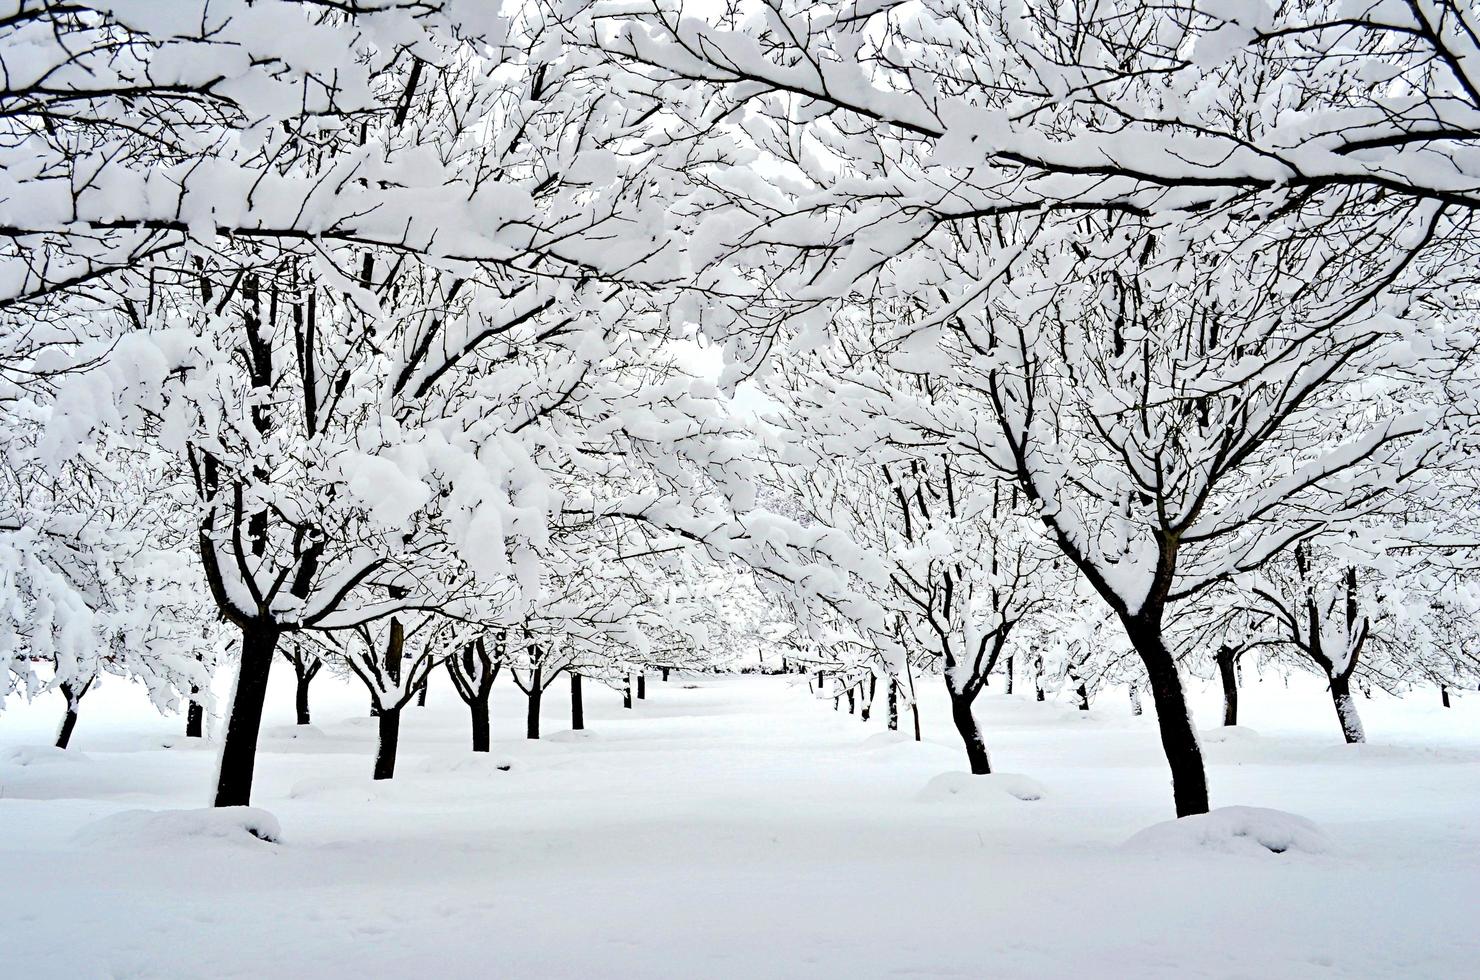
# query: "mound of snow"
[1228,733]
[167,828]
[1234,830]
[41,755]
[963,787]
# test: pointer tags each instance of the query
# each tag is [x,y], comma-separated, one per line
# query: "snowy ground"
[738,828]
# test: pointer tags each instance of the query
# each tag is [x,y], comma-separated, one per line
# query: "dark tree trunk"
[390,737]
[577,705]
[893,705]
[1444,695]
[627,693]
[1178,737]
[244,723]
[852,702]
[1009,674]
[478,707]
[1346,710]
[73,695]
[642,687]
[971,735]
[536,695]
[69,722]
[1083,693]
[1228,674]
[300,697]
[195,720]
[421,695]
[915,712]
[665,669]
[305,669]
[868,701]
[472,673]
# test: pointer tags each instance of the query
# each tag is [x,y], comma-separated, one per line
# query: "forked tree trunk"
[244,723]
[390,736]
[577,705]
[1178,737]
[1346,710]
[304,672]
[472,673]
[1228,674]
[971,734]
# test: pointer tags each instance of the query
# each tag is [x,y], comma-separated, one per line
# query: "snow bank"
[1234,830]
[42,755]
[168,828]
[963,787]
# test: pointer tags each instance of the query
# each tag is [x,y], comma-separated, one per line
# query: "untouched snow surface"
[741,829]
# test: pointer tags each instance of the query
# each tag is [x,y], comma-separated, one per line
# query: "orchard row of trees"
[1121,337]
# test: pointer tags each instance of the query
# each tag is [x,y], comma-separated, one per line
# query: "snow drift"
[1234,830]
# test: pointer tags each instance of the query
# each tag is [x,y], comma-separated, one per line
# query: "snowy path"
[740,829]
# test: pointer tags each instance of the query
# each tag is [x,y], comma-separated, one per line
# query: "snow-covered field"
[735,827]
